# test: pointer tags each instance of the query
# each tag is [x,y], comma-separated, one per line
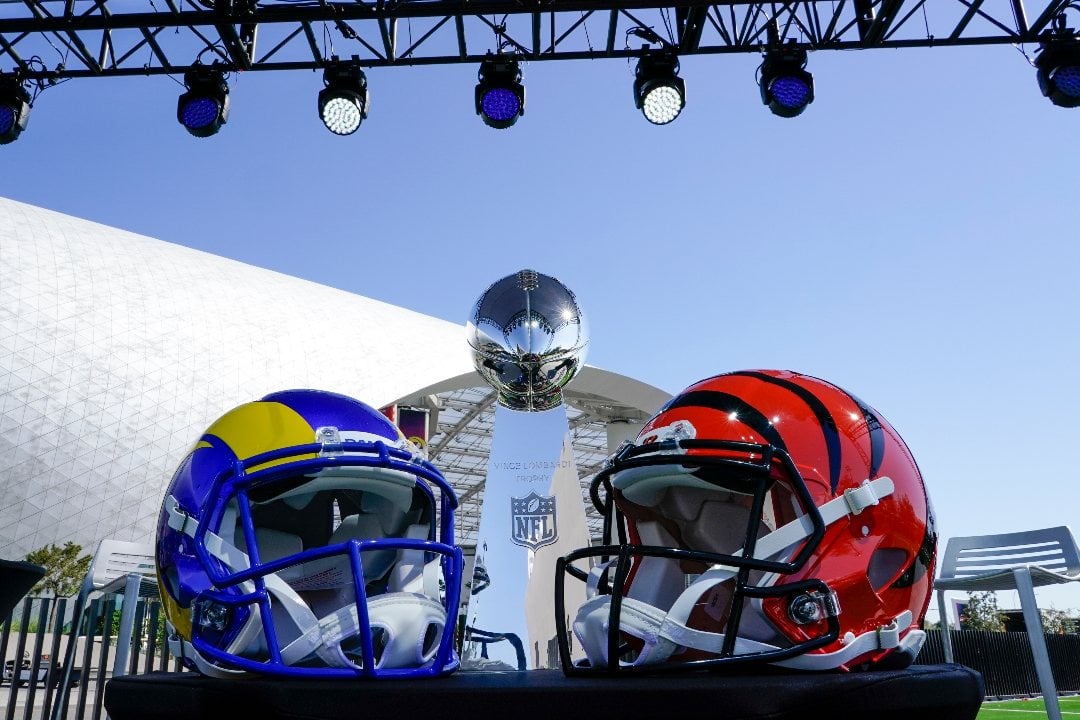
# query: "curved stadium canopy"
[118,350]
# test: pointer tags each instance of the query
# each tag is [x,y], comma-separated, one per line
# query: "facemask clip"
[330,439]
[812,607]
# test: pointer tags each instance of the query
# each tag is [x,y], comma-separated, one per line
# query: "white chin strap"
[664,633]
[404,617]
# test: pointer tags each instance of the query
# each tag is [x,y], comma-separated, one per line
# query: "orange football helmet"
[760,516]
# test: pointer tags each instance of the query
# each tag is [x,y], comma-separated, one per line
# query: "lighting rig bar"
[52,40]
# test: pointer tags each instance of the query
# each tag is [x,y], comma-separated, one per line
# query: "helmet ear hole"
[885,565]
[380,638]
[170,577]
[353,647]
[431,640]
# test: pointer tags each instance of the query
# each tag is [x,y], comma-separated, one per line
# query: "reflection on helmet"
[760,516]
[304,536]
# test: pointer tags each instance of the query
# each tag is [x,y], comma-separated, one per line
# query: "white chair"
[1018,561]
[121,568]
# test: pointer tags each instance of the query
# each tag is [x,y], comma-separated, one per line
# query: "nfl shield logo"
[532,521]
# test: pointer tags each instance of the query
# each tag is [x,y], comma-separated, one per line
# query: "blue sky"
[910,237]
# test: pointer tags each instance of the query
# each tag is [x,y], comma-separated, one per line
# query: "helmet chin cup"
[412,625]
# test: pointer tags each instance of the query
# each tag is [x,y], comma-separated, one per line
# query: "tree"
[982,613]
[1059,622]
[64,570]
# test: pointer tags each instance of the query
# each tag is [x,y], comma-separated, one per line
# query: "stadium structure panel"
[117,350]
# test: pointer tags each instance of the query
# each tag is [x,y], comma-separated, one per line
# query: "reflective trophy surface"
[528,339]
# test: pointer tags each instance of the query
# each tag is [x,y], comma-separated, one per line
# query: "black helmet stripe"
[824,418]
[877,435]
[725,403]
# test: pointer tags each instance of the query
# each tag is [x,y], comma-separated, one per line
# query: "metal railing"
[39,630]
[1005,662]
[34,642]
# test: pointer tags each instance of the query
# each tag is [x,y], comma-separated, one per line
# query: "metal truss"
[51,40]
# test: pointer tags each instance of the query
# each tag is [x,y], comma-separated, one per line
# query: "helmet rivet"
[212,615]
[805,609]
[865,530]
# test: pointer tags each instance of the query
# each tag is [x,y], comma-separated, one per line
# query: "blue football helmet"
[303,535]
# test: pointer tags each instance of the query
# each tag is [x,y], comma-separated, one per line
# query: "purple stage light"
[7,118]
[14,108]
[1058,65]
[786,87]
[204,108]
[1067,80]
[790,91]
[500,104]
[199,113]
[500,96]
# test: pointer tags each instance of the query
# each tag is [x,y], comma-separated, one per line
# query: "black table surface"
[922,692]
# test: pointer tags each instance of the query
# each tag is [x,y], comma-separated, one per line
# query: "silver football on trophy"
[528,338]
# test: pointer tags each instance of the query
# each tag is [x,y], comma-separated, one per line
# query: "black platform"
[922,692]
[16,579]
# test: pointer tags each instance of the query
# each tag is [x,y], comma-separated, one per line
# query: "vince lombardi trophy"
[528,338]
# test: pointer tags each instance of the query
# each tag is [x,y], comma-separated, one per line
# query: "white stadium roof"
[118,350]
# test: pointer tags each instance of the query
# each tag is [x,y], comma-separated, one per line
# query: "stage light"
[659,92]
[1058,65]
[343,103]
[786,87]
[14,109]
[500,96]
[204,108]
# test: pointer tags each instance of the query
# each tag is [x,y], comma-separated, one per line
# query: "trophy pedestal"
[532,514]
[938,692]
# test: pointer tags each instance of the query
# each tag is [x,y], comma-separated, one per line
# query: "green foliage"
[982,613]
[139,632]
[159,631]
[114,625]
[1059,622]
[64,568]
